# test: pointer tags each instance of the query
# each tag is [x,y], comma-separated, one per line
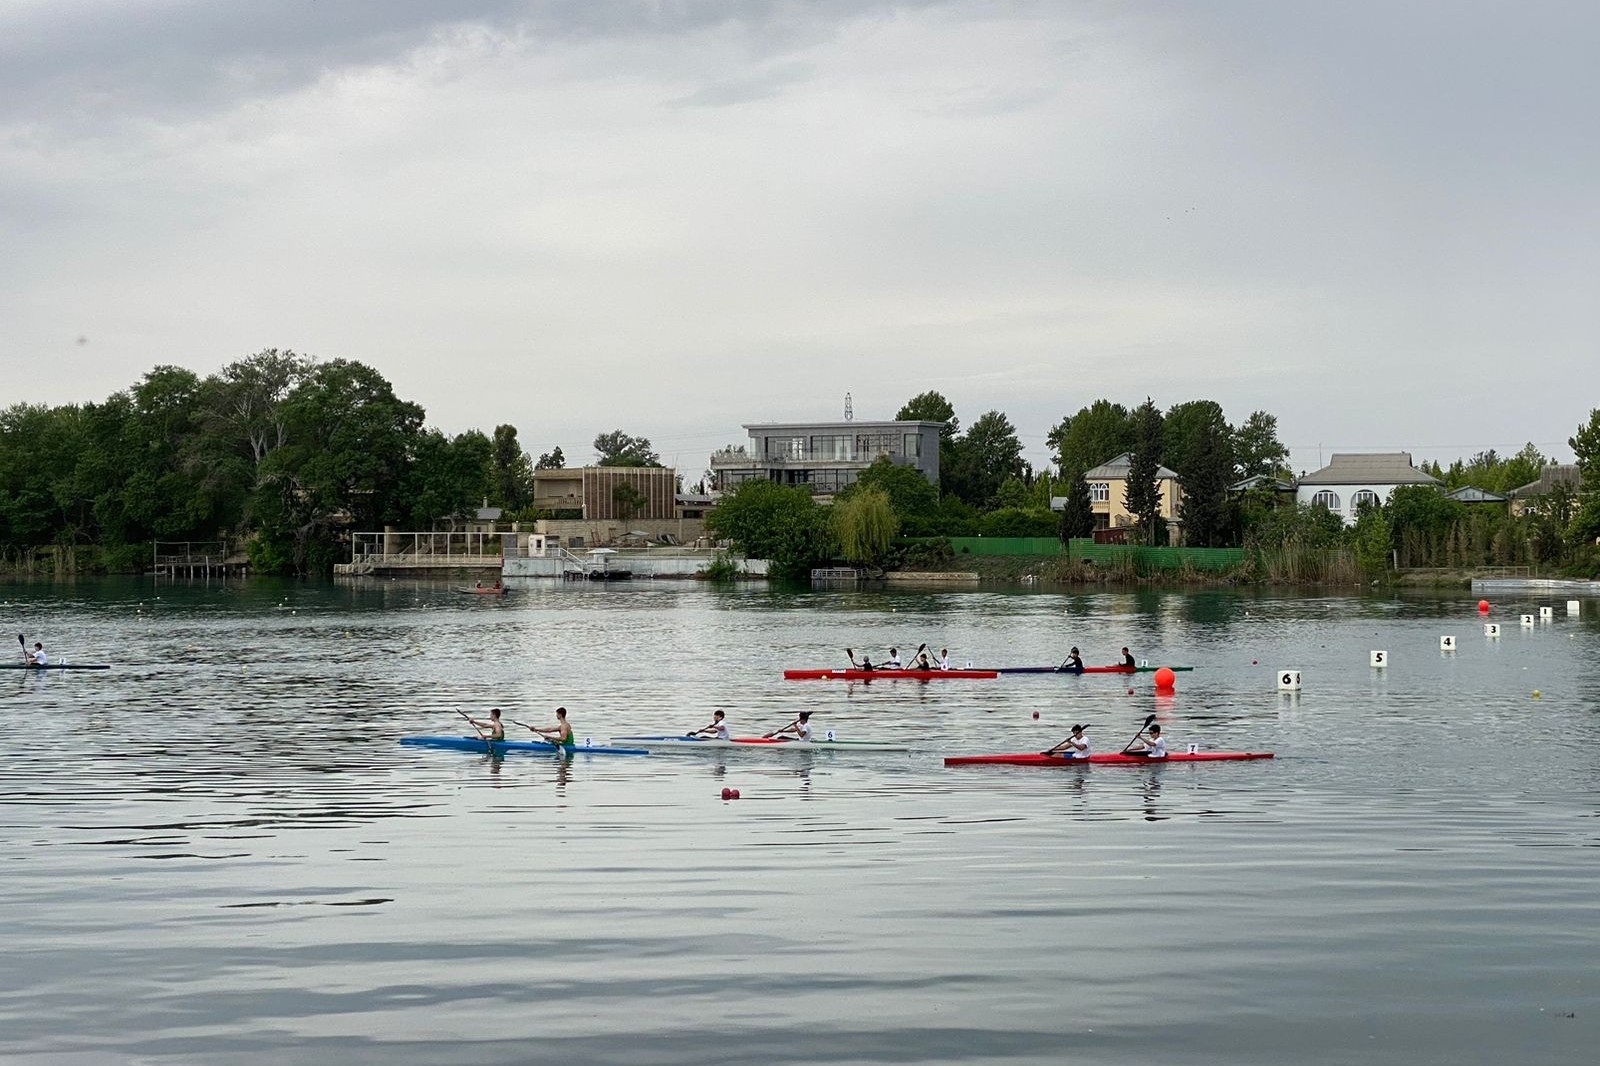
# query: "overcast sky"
[1378,221]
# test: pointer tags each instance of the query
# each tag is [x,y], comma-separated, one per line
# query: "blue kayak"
[500,747]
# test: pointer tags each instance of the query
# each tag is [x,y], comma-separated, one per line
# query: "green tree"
[446,478]
[865,525]
[1077,517]
[783,525]
[1207,511]
[931,407]
[551,460]
[513,473]
[1256,448]
[915,501]
[1142,491]
[1372,539]
[988,453]
[1018,522]
[351,442]
[619,449]
[1097,433]
[628,502]
[1013,493]
[1181,432]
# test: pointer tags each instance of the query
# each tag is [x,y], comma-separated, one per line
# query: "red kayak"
[1033,758]
[874,675]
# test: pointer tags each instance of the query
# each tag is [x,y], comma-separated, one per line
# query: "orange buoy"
[1165,678]
[1483,606]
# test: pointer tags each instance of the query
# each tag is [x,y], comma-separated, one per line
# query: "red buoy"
[735,794]
[1165,678]
[1036,714]
[1483,606]
[727,793]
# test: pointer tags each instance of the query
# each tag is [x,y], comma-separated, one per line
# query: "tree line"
[986,488]
[278,450]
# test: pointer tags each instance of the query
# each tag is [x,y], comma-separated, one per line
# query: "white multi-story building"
[1353,479]
[826,456]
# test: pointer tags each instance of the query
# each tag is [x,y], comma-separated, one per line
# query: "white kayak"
[765,744]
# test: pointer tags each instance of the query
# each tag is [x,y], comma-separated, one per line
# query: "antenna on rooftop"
[849,415]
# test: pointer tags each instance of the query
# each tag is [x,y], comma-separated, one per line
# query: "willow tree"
[865,525]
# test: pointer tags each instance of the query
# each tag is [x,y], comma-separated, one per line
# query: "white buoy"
[1288,681]
[1547,614]
[1447,643]
[1380,659]
[1491,629]
[1573,607]
[1527,621]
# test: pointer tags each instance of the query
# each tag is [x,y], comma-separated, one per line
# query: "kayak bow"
[1034,758]
[500,747]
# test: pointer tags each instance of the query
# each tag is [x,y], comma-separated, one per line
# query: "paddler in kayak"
[866,660]
[1152,745]
[560,733]
[36,657]
[922,662]
[1072,664]
[1075,746]
[893,661]
[799,729]
[717,729]
[944,659]
[496,728]
[1127,660]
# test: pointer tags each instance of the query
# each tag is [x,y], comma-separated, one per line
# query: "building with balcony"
[1108,497]
[1354,480]
[824,457]
[604,493]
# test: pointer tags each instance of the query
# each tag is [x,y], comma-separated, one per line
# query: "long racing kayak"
[888,675]
[1034,758]
[499,747]
[680,743]
[56,666]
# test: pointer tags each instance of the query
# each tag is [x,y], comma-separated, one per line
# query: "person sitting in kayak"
[717,729]
[36,657]
[893,661]
[1075,746]
[1127,660]
[799,729]
[865,663]
[560,733]
[1073,664]
[922,662]
[496,728]
[944,659]
[1152,744]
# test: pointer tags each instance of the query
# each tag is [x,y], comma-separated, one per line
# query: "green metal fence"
[1105,555]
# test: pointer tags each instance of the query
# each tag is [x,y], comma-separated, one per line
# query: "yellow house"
[1108,494]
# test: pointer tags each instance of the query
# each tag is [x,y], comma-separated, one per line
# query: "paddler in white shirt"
[37,657]
[1075,746]
[1152,744]
[717,729]
[799,729]
[893,661]
[944,659]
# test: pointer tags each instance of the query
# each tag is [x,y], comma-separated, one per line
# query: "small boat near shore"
[501,747]
[482,590]
[1034,758]
[888,675]
[757,744]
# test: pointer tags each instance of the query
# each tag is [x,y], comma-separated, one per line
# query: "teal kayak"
[500,747]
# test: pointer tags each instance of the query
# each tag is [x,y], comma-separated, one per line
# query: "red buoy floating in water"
[1165,678]
[1483,606]
[727,793]
[1036,714]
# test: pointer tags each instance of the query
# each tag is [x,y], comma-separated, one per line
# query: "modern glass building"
[826,456]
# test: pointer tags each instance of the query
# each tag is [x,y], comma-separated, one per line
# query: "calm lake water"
[216,852]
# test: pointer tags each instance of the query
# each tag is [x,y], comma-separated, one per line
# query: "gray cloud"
[678,217]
